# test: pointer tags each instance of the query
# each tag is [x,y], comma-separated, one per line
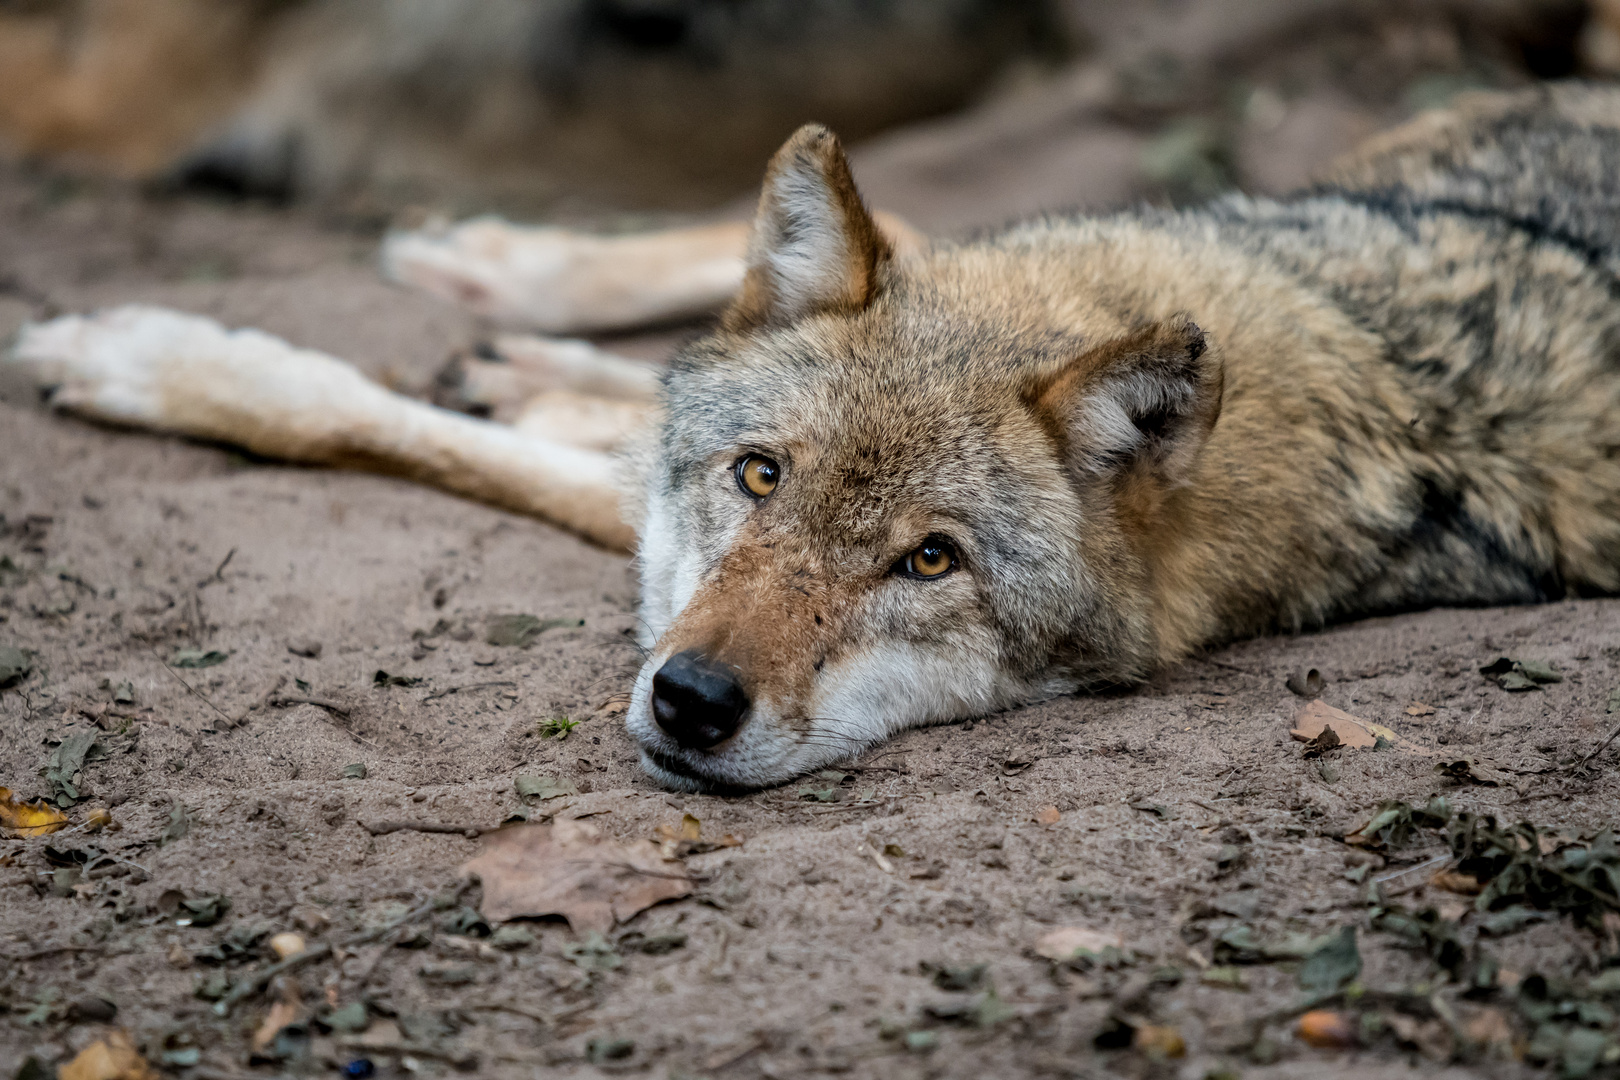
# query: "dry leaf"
[111,1058]
[29,819]
[612,708]
[1067,942]
[1327,1030]
[1451,881]
[1047,815]
[1492,1030]
[1352,731]
[281,1014]
[570,869]
[1159,1040]
[1417,708]
[1471,771]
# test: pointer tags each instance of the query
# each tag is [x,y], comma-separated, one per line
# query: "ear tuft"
[815,247]
[1147,399]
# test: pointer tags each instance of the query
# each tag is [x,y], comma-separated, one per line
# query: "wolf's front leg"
[182,373]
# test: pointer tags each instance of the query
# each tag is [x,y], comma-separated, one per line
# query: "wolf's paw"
[494,268]
[110,364]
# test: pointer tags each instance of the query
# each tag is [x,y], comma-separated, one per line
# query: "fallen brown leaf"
[29,819]
[110,1058]
[1067,942]
[1326,1030]
[1429,1037]
[1158,1040]
[1047,815]
[1492,1030]
[1451,881]
[1353,732]
[281,1014]
[570,869]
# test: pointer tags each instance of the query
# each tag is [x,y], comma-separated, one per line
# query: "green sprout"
[557,727]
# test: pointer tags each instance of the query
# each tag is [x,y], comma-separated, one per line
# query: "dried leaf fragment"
[1451,881]
[543,787]
[1517,675]
[1159,1041]
[519,631]
[570,869]
[1068,943]
[14,666]
[111,1058]
[197,658]
[283,1012]
[1471,771]
[21,819]
[1353,732]
[1327,1030]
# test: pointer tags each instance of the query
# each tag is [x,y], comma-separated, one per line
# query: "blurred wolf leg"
[559,281]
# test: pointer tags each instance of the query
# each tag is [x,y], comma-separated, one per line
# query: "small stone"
[287,944]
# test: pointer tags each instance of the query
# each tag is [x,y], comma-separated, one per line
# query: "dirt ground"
[843,934]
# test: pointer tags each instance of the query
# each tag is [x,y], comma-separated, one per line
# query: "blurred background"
[961,113]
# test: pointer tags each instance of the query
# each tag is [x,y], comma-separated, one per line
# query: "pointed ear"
[1148,399]
[815,247]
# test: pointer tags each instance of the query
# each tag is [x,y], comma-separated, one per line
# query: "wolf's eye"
[933,559]
[758,475]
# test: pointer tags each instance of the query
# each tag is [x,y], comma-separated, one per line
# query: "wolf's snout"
[697,702]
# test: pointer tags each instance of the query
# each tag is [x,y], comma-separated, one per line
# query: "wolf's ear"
[1149,398]
[815,247]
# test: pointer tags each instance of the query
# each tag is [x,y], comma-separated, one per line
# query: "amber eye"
[934,558]
[758,475]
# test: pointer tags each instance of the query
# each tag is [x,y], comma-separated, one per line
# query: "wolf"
[655,103]
[903,483]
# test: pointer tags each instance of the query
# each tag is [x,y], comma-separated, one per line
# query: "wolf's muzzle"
[697,702]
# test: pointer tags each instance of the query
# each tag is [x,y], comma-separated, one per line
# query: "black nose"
[696,701]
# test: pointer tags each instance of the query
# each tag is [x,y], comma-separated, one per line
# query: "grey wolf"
[903,483]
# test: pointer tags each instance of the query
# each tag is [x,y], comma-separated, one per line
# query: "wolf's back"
[1546,160]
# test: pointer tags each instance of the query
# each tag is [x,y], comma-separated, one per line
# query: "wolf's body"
[900,489]
[663,103]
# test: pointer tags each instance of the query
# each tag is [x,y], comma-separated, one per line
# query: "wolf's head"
[897,491]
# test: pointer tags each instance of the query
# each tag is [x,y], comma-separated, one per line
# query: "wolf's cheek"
[885,687]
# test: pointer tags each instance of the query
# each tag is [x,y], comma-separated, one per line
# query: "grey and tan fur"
[1125,439]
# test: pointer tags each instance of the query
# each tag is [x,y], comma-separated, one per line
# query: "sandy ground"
[1183,808]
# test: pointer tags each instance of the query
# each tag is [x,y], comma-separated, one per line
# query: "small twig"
[1602,746]
[281,701]
[218,570]
[383,828]
[1414,869]
[539,1018]
[191,689]
[437,694]
[259,980]
[846,807]
[263,700]
[40,954]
